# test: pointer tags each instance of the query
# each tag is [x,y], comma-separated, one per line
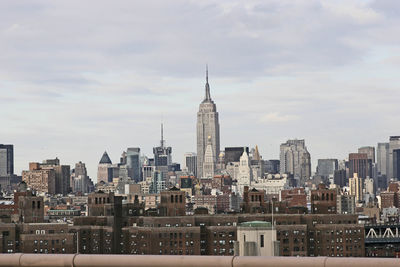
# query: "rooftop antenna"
[162,135]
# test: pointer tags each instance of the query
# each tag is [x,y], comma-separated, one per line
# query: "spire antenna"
[207,97]
[162,135]
[207,73]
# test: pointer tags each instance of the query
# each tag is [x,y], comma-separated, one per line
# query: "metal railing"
[86,260]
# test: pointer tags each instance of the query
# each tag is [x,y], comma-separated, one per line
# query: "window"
[261,241]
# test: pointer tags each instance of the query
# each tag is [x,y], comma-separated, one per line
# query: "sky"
[78,78]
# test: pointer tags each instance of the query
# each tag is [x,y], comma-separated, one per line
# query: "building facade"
[295,160]
[6,160]
[207,127]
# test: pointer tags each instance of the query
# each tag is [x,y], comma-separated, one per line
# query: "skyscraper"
[103,172]
[369,150]
[295,160]
[162,154]
[382,158]
[327,167]
[396,164]
[62,172]
[191,163]
[382,165]
[394,143]
[162,159]
[133,163]
[6,160]
[207,126]
[360,164]
[244,172]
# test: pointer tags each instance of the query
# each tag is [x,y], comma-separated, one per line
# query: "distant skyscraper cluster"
[150,205]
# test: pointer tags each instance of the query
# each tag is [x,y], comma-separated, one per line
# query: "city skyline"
[73,88]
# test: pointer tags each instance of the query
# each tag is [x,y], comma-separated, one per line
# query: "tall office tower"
[382,163]
[360,164]
[191,163]
[396,164]
[162,154]
[207,125]
[295,160]
[133,163]
[80,169]
[103,169]
[356,187]
[209,161]
[63,175]
[80,181]
[162,157]
[244,178]
[394,143]
[327,167]
[370,151]
[6,160]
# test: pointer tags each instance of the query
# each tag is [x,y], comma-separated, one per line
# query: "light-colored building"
[209,161]
[256,238]
[271,183]
[356,187]
[207,126]
[244,178]
[41,180]
[103,170]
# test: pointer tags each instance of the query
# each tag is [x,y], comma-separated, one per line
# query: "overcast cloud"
[81,77]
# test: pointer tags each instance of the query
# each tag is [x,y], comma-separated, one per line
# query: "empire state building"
[207,129]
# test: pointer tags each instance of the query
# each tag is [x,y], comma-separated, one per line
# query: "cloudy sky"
[81,77]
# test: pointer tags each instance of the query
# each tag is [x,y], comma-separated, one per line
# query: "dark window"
[261,241]
[172,199]
[38,204]
[33,204]
[180,198]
